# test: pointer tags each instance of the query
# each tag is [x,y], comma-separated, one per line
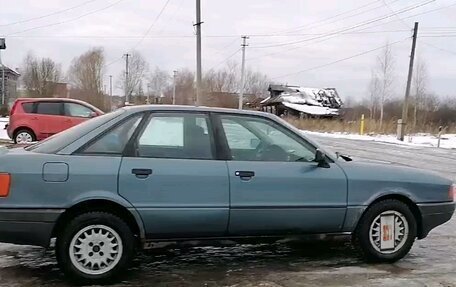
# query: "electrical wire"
[358,30]
[152,25]
[438,48]
[193,36]
[411,16]
[340,60]
[348,28]
[226,59]
[47,15]
[298,28]
[67,21]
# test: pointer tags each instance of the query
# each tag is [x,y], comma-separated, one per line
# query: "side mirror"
[320,158]
[93,114]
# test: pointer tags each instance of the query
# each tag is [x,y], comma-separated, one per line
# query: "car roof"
[50,100]
[141,108]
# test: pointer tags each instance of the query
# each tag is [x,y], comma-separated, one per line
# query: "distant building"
[302,101]
[11,79]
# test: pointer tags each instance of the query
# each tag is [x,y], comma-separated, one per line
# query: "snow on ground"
[422,139]
[3,134]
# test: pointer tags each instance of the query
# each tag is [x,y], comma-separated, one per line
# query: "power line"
[193,36]
[340,60]
[67,21]
[226,59]
[411,16]
[152,25]
[48,15]
[438,48]
[395,14]
[298,28]
[349,28]
[358,30]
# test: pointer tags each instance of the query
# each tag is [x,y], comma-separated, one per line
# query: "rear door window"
[49,108]
[28,107]
[176,136]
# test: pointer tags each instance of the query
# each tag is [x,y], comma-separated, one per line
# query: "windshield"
[58,141]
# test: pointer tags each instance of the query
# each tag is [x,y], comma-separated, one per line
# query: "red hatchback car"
[34,119]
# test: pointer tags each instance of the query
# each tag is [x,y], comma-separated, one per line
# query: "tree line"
[383,104]
[87,78]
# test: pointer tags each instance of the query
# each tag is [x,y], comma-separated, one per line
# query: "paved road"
[431,262]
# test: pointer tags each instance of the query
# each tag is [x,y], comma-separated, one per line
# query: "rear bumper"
[8,131]
[28,226]
[433,215]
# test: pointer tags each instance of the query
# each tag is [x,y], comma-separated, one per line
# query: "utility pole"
[402,125]
[241,94]
[198,53]
[2,47]
[148,94]
[127,96]
[3,80]
[174,87]
[110,93]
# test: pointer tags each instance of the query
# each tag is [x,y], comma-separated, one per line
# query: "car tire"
[368,235]
[22,136]
[83,252]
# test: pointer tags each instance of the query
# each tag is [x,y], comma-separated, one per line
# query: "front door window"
[257,139]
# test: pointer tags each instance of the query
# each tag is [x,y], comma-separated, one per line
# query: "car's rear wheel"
[95,247]
[24,136]
[386,231]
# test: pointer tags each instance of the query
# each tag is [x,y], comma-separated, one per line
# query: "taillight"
[5,183]
[452,192]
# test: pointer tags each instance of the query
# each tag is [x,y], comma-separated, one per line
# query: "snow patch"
[447,141]
[3,134]
[312,110]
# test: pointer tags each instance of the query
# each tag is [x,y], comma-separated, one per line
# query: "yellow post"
[361,126]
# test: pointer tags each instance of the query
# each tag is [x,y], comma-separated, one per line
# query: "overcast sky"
[286,36]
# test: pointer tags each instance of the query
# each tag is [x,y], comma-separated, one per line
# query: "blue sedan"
[143,174]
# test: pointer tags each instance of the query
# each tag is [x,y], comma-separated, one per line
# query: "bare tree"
[137,69]
[185,87]
[420,78]
[374,94]
[158,82]
[256,83]
[40,76]
[86,74]
[385,65]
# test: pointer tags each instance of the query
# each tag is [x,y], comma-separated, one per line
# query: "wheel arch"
[23,127]
[404,199]
[130,215]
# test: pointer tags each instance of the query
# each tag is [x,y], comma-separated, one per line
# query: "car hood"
[389,171]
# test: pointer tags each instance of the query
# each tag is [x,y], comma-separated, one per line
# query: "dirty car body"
[151,173]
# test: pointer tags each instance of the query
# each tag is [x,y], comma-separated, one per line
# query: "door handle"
[141,172]
[245,174]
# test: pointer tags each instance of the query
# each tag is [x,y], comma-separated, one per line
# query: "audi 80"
[116,183]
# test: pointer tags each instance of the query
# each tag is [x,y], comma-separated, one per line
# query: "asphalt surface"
[431,262]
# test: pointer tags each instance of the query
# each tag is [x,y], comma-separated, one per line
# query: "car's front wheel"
[386,231]
[95,247]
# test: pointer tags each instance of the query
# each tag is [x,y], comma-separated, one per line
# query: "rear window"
[27,107]
[57,142]
[49,108]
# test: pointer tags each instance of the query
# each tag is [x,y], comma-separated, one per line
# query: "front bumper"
[433,215]
[28,226]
